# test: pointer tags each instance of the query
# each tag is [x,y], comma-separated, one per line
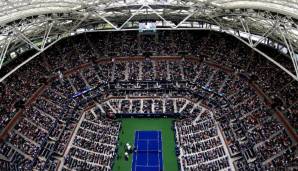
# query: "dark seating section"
[199,143]
[94,145]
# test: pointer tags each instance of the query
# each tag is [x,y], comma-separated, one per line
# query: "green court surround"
[130,125]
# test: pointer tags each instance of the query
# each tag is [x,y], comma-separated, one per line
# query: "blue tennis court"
[147,155]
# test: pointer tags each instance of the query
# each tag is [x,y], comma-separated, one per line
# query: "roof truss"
[38,28]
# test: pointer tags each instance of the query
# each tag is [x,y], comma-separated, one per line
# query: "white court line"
[137,149]
[147,152]
[161,151]
[158,150]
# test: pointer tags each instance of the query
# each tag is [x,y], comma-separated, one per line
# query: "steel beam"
[246,30]
[29,59]
[107,21]
[267,57]
[266,34]
[4,51]
[172,25]
[290,50]
[134,14]
[79,23]
[47,33]
[186,18]
[250,44]
[26,39]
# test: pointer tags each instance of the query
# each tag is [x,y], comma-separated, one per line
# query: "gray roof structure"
[38,24]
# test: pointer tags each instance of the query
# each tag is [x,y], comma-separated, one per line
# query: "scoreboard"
[147,26]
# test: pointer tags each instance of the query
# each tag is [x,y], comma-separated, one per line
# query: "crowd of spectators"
[167,43]
[199,143]
[252,130]
[75,65]
[94,145]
